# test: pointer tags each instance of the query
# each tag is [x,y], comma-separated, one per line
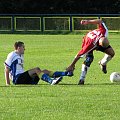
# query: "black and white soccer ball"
[115,77]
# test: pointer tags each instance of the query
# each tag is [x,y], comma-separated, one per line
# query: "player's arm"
[87,48]
[95,21]
[7,70]
[77,57]
[72,65]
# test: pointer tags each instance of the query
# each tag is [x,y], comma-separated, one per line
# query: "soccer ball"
[115,77]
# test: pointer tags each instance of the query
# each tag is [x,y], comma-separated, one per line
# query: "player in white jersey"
[94,40]
[14,69]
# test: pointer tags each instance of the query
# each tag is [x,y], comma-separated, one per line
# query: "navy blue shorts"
[25,78]
[102,49]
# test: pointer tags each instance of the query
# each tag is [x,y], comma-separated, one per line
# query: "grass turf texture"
[98,99]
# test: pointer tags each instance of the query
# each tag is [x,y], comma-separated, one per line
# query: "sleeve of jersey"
[8,61]
[103,29]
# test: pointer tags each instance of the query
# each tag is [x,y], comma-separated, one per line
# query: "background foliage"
[60,6]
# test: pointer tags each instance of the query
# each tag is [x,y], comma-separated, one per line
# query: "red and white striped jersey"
[91,39]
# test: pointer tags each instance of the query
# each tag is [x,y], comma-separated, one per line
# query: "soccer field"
[98,99]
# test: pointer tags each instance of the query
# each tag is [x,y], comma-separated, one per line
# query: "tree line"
[59,7]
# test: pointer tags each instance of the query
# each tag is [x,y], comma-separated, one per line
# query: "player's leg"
[106,48]
[61,73]
[55,77]
[58,73]
[43,74]
[32,76]
[109,54]
[47,76]
[85,66]
[35,71]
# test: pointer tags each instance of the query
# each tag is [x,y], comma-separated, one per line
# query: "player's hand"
[84,22]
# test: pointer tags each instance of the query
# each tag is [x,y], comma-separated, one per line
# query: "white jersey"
[14,62]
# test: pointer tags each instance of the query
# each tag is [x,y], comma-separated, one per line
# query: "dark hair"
[18,44]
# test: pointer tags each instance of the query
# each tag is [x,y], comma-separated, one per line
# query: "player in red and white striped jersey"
[94,40]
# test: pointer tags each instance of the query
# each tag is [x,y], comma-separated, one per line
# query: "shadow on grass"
[90,84]
[104,84]
[21,85]
[62,84]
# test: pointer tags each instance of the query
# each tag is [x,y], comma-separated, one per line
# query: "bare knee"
[37,69]
[46,71]
[34,71]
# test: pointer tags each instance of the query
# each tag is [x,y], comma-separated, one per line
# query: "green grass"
[98,99]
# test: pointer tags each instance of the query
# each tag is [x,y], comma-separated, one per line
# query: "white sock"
[84,72]
[105,59]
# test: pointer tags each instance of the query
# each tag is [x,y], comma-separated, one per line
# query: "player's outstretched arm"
[72,65]
[95,21]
